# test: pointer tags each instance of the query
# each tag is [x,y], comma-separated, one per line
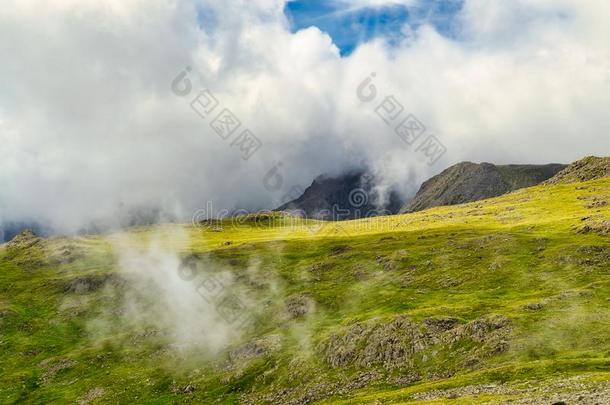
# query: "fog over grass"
[91,130]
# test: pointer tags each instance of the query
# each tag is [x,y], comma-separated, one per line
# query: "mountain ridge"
[466,182]
[353,194]
[350,195]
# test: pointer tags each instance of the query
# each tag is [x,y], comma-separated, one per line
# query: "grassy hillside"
[502,299]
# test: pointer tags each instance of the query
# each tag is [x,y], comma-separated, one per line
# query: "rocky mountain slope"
[348,196]
[495,301]
[589,168]
[466,182]
[353,195]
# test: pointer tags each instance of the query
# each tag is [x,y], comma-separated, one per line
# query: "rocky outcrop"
[26,249]
[466,182]
[24,240]
[93,282]
[589,168]
[299,305]
[255,349]
[400,342]
[30,251]
[351,195]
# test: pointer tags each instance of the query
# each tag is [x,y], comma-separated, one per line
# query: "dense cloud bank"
[92,129]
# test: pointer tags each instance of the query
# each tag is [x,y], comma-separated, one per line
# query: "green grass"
[468,261]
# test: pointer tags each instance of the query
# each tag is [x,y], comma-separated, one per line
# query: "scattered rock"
[495,266]
[394,344]
[359,272]
[49,374]
[387,263]
[442,324]
[90,283]
[65,254]
[595,202]
[185,389]
[564,391]
[491,331]
[534,306]
[256,349]
[315,391]
[318,269]
[405,380]
[600,227]
[448,282]
[585,294]
[92,395]
[299,305]
[337,250]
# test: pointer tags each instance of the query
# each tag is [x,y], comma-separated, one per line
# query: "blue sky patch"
[349,28]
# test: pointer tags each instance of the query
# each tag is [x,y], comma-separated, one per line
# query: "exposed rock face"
[400,342]
[599,227]
[572,390]
[24,240]
[51,370]
[352,195]
[26,248]
[589,168]
[94,282]
[29,250]
[256,349]
[10,230]
[299,305]
[466,182]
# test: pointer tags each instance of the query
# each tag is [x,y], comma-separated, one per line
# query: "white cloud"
[89,122]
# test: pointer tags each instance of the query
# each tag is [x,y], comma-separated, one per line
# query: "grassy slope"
[490,257]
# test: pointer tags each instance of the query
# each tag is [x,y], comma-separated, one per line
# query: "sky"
[113,107]
[350,24]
